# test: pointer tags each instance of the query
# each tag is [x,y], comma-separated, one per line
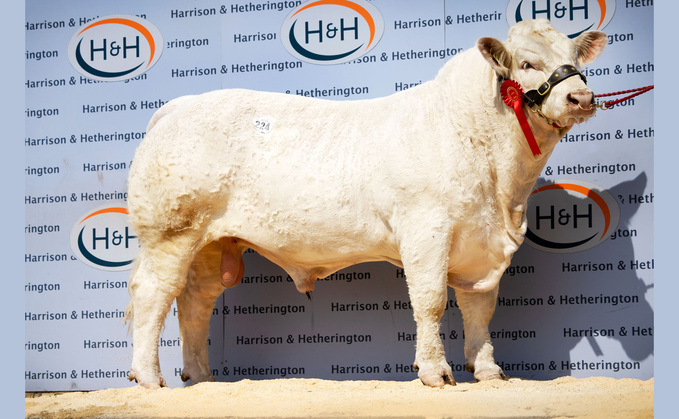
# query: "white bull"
[434,179]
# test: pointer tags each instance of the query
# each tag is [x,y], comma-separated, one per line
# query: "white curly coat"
[434,179]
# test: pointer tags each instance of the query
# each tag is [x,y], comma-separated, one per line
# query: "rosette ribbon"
[512,95]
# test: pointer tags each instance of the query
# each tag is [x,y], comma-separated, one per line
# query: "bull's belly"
[307,245]
[309,264]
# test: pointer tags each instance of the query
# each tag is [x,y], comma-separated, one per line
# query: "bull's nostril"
[581,99]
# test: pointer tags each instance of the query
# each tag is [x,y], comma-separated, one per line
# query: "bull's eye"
[526,65]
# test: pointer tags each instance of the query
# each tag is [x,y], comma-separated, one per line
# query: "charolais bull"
[434,179]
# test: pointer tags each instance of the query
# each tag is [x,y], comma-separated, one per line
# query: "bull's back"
[257,165]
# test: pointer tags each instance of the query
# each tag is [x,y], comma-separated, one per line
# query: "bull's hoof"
[196,377]
[487,372]
[152,383]
[491,375]
[207,378]
[436,375]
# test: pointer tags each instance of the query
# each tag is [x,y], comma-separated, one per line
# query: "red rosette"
[511,93]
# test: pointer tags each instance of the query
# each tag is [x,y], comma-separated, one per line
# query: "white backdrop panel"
[556,315]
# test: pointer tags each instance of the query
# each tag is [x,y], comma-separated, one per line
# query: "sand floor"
[564,397]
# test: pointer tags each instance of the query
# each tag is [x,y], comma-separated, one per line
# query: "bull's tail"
[131,285]
[128,316]
[129,310]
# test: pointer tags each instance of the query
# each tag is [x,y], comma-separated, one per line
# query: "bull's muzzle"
[582,100]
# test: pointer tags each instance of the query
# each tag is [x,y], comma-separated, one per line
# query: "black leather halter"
[536,96]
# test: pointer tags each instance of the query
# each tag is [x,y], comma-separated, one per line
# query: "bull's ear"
[588,46]
[496,54]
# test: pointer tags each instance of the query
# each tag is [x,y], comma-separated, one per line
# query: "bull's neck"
[516,169]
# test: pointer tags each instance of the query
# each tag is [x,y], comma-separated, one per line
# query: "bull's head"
[531,55]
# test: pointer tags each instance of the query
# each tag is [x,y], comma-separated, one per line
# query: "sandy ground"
[301,398]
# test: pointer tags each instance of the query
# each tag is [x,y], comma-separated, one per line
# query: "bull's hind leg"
[477,310]
[195,306]
[159,278]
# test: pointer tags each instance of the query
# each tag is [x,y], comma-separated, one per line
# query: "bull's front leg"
[425,261]
[477,310]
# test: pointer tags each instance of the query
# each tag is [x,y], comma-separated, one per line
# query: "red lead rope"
[512,96]
[609,104]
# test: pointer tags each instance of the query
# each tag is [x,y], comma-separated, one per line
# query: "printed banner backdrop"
[580,310]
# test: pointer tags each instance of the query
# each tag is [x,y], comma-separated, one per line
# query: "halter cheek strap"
[536,96]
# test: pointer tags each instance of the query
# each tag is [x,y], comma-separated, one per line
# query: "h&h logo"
[104,239]
[332,31]
[114,48]
[570,216]
[571,17]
